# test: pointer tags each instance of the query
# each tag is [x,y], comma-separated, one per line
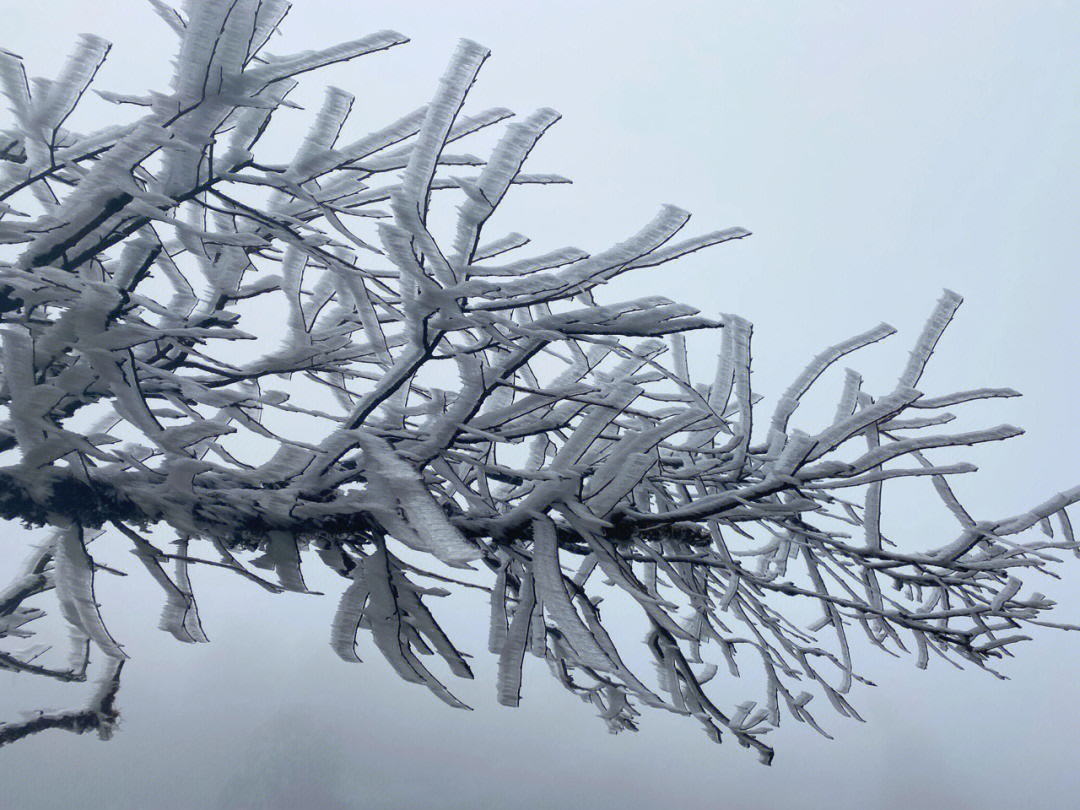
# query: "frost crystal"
[488,411]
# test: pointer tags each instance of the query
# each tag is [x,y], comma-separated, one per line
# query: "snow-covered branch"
[293,357]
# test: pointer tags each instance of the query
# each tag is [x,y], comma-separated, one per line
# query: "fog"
[877,155]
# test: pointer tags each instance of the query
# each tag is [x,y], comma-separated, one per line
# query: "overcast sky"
[878,152]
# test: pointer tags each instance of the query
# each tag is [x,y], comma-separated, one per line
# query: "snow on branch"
[292,358]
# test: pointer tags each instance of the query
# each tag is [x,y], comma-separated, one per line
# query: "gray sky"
[879,152]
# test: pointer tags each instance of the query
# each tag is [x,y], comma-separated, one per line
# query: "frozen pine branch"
[427,384]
